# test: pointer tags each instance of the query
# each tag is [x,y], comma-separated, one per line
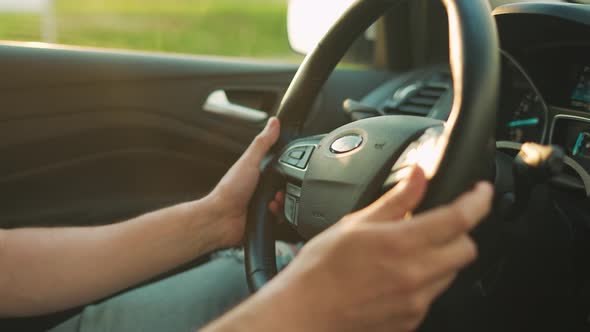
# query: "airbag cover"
[348,178]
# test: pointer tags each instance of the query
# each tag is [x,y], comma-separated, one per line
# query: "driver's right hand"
[378,269]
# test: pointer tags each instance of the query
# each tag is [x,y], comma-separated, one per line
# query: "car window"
[237,28]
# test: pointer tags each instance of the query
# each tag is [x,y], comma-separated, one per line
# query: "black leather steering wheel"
[331,175]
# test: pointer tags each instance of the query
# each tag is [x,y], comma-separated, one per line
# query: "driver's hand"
[277,205]
[233,193]
[378,269]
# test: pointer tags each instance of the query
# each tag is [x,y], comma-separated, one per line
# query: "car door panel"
[92,137]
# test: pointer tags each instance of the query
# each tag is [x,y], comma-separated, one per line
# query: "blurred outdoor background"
[244,28]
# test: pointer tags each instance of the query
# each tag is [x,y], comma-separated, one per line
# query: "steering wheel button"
[305,160]
[284,157]
[297,154]
[346,144]
[303,163]
[292,161]
[293,190]
[291,209]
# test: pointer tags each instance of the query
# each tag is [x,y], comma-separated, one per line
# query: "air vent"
[420,98]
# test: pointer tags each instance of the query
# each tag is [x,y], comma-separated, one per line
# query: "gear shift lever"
[535,164]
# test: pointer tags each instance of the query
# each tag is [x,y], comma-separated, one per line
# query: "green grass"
[20,27]
[246,28]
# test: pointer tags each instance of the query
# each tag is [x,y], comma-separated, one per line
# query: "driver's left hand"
[233,193]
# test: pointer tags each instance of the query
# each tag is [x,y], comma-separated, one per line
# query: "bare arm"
[43,270]
[372,271]
[46,270]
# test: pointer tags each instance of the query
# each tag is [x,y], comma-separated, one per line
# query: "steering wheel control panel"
[298,156]
[292,195]
[294,161]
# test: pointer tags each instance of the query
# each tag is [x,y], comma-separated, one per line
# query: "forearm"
[44,270]
[279,306]
[253,315]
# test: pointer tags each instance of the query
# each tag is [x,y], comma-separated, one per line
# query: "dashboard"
[545,84]
[560,112]
[544,97]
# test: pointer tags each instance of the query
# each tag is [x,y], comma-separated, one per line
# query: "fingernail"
[272,121]
[269,124]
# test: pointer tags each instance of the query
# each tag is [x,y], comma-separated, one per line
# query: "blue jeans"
[184,302]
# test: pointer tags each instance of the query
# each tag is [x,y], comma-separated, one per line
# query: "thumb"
[403,198]
[263,142]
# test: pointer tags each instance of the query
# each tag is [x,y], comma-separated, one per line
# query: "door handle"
[218,103]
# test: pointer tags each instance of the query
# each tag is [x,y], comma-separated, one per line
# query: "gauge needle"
[578,144]
[524,122]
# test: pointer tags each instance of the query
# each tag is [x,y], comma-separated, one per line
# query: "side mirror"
[309,20]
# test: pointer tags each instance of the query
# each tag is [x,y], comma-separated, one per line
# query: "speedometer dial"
[522,112]
[527,121]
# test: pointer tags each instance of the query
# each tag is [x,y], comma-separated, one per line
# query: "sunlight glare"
[312,19]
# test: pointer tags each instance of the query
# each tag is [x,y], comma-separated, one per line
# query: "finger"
[277,211]
[410,310]
[274,208]
[263,142]
[434,289]
[277,204]
[422,301]
[403,198]
[445,223]
[442,261]
[280,198]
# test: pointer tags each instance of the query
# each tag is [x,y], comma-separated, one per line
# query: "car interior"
[97,136]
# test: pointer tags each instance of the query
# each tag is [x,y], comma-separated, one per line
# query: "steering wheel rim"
[475,67]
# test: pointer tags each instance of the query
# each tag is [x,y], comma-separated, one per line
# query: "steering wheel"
[328,176]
